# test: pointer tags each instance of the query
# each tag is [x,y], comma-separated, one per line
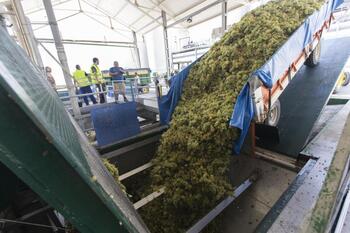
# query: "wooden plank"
[135,171]
[149,198]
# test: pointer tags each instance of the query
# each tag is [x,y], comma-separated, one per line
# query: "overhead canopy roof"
[143,16]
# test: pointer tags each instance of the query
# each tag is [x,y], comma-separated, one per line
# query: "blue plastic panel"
[115,122]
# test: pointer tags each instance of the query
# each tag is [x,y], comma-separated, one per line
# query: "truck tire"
[314,57]
[274,114]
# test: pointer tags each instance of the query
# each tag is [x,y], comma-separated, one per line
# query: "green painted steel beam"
[44,147]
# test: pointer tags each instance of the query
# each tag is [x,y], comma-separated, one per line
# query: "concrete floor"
[250,208]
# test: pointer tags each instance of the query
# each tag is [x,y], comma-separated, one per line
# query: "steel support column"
[166,43]
[145,52]
[35,45]
[224,16]
[62,56]
[137,51]
[25,33]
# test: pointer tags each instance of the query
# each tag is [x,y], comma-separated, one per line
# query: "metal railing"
[130,87]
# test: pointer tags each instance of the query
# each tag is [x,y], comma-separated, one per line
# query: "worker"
[116,72]
[97,79]
[81,80]
[138,83]
[50,78]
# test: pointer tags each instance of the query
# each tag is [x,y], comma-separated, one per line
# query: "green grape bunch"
[193,158]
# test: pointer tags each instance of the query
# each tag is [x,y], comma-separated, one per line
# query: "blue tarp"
[168,102]
[269,73]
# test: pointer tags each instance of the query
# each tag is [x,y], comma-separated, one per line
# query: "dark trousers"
[87,90]
[102,88]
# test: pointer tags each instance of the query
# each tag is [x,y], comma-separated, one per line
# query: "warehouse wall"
[156,52]
[143,52]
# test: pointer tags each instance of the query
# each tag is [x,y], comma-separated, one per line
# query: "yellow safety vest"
[81,78]
[96,77]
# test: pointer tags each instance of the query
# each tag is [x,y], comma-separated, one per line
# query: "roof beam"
[161,7]
[106,14]
[105,25]
[148,24]
[153,28]
[144,12]
[216,15]
[239,4]
[242,2]
[121,44]
[80,8]
[189,8]
[64,18]
[121,9]
[138,19]
[42,8]
[196,13]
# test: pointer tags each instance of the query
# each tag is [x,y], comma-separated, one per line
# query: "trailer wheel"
[314,57]
[346,79]
[274,114]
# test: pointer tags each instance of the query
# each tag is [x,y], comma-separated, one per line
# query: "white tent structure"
[137,33]
[130,31]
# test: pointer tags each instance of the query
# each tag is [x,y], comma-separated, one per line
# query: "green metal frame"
[44,147]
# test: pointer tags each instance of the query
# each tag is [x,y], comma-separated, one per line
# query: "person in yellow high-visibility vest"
[97,79]
[82,81]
